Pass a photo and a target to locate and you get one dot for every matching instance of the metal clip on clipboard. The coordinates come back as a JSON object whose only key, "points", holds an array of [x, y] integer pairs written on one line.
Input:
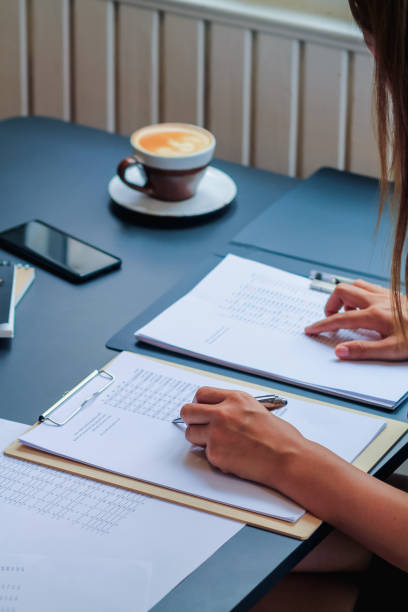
{"points": [[103, 373]]}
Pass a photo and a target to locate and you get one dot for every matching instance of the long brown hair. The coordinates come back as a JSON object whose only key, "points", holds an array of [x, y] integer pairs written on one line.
{"points": [[384, 23]]}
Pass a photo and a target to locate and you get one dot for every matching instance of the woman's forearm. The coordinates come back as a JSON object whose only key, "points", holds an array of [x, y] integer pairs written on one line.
{"points": [[368, 510], [240, 437]]}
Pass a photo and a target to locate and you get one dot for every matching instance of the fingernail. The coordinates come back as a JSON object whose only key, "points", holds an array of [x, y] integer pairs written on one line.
{"points": [[342, 352]]}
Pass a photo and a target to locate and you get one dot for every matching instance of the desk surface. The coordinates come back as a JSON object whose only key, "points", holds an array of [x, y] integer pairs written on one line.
{"points": [[58, 172]]}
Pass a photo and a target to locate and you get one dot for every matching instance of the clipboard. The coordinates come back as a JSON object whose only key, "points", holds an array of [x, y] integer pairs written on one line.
{"points": [[301, 529]]}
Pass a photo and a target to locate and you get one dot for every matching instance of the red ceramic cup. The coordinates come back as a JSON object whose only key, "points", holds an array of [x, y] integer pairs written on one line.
{"points": [[171, 158]]}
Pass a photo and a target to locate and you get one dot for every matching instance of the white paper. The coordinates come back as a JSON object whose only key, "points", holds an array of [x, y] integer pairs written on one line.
{"points": [[113, 435], [252, 317], [53, 514], [48, 583]]}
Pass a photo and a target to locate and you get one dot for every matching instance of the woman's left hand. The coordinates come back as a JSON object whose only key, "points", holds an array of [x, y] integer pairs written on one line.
{"points": [[241, 437], [366, 306]]}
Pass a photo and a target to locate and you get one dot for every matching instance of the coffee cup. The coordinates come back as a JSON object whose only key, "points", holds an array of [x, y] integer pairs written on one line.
{"points": [[171, 158]]}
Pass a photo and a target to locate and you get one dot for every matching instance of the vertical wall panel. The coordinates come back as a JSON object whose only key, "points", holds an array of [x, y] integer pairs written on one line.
{"points": [[183, 64], [230, 90], [24, 72], [295, 83], [362, 150], [10, 85], [319, 123], [138, 72], [66, 59], [272, 103], [111, 59], [344, 110], [90, 62], [46, 58]]}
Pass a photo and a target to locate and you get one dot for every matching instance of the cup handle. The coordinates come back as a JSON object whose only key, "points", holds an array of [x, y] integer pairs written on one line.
{"points": [[121, 171]]}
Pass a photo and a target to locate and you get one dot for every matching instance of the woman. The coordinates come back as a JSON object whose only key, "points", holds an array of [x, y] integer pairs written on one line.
{"points": [[240, 437]]}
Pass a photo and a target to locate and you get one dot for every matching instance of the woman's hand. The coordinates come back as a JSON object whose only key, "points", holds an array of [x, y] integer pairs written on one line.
{"points": [[241, 437], [366, 306]]}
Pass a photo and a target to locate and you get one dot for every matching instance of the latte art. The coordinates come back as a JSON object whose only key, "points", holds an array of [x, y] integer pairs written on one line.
{"points": [[173, 143], [172, 158]]}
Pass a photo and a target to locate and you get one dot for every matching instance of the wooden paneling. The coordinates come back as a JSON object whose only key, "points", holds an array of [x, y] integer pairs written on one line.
{"points": [[344, 110], [183, 64], [362, 152], [320, 108], [10, 73], [47, 58], [278, 103], [90, 100], [229, 95], [138, 71], [272, 103]]}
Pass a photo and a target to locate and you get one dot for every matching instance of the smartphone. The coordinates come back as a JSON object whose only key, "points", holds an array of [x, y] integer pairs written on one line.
{"points": [[57, 251]]}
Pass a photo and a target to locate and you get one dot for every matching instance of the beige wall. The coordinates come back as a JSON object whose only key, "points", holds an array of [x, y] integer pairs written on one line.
{"points": [[283, 99]]}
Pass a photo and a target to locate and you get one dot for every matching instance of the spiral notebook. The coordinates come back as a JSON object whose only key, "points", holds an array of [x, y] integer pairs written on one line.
{"points": [[7, 283]]}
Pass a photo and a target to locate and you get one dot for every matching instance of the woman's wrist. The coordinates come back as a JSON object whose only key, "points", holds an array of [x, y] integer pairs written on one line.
{"points": [[307, 474], [293, 460]]}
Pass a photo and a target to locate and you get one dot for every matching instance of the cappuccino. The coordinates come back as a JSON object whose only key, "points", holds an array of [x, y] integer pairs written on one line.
{"points": [[172, 140], [171, 157]]}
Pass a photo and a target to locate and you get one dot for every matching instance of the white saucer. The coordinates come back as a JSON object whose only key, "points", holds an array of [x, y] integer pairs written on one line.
{"points": [[215, 191]]}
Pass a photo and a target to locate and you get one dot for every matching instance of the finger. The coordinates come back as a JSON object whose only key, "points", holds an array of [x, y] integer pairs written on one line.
{"points": [[200, 414], [197, 434], [387, 348], [353, 319], [371, 287], [346, 295], [210, 395]]}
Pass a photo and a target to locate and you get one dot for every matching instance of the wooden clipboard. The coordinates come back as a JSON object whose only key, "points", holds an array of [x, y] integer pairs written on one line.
{"points": [[301, 529]]}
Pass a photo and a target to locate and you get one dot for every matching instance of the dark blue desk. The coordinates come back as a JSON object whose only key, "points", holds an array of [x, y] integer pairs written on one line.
{"points": [[59, 172]]}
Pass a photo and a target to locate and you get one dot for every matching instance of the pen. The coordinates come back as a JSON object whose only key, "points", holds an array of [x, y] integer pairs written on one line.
{"points": [[270, 402], [326, 277], [323, 281]]}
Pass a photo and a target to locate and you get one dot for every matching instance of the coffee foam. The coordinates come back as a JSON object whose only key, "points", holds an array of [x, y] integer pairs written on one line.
{"points": [[172, 140]]}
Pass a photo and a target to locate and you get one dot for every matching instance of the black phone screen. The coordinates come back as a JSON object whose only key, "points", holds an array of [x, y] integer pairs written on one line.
{"points": [[62, 252]]}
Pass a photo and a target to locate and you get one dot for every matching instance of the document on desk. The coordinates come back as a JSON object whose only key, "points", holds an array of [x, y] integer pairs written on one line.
{"points": [[59, 516], [128, 430], [251, 317], [49, 583]]}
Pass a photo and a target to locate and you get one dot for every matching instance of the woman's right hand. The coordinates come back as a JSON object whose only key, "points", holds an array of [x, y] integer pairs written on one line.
{"points": [[366, 306]]}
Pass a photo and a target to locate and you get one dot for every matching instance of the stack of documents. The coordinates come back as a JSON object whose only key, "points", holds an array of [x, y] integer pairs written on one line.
{"points": [[127, 429], [251, 317]]}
